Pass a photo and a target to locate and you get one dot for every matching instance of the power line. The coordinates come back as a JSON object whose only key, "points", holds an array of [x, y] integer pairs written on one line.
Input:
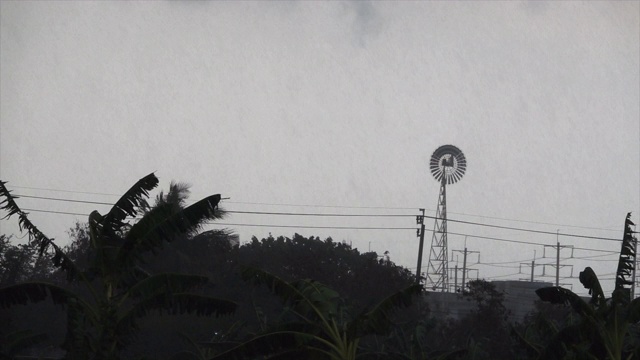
{"points": [[518, 241], [349, 228], [337, 206], [318, 214], [55, 212], [591, 256], [67, 200], [598, 259], [595, 256], [363, 215], [527, 230], [315, 227], [532, 222], [233, 211], [500, 266], [501, 276], [508, 262], [66, 191], [322, 206]]}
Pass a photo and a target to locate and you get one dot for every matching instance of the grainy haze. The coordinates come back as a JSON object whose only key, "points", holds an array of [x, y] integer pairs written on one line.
{"points": [[335, 103]]}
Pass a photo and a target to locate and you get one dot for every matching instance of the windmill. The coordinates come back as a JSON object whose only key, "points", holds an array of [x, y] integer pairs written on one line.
{"points": [[447, 165]]}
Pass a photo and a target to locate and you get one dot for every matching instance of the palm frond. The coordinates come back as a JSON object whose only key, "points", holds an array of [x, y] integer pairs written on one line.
{"points": [[318, 297], [165, 283], [307, 300], [626, 263], [36, 237], [163, 224], [633, 311], [8, 203], [531, 347], [178, 194], [559, 295], [285, 290], [129, 203], [64, 262], [272, 345], [581, 338], [378, 319], [182, 303], [20, 340], [79, 312], [32, 292], [590, 281]]}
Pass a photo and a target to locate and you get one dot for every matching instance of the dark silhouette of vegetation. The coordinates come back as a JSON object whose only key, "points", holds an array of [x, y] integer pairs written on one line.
{"points": [[20, 263], [359, 278], [127, 277], [607, 328], [483, 333], [120, 290], [323, 327]]}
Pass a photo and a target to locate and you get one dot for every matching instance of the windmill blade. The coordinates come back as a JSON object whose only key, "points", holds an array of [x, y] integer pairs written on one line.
{"points": [[448, 161]]}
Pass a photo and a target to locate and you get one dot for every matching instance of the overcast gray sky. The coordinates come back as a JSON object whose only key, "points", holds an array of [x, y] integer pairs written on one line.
{"points": [[336, 104]]}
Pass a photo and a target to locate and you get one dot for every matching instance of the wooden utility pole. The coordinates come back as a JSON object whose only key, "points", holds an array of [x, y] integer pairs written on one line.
{"points": [[420, 221]]}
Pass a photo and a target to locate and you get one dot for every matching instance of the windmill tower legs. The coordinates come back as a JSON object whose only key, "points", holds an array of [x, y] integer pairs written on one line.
{"points": [[437, 270], [447, 165]]}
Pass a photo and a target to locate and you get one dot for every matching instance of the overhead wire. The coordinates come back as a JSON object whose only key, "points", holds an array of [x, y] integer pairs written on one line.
{"points": [[55, 212], [314, 227], [515, 241], [509, 262], [65, 191], [66, 200], [339, 206], [500, 266], [501, 276], [609, 253], [347, 228], [365, 215]]}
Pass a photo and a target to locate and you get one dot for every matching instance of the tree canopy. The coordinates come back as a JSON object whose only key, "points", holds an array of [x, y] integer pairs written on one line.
{"points": [[120, 291]]}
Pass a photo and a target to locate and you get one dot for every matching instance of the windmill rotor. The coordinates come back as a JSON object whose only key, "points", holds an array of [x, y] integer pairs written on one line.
{"points": [[449, 162]]}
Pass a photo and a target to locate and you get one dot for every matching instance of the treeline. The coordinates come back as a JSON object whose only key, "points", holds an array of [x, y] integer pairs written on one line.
{"points": [[142, 282]]}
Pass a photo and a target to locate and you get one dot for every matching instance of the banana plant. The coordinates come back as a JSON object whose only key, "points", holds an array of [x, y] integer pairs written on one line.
{"points": [[323, 328], [100, 325], [604, 323]]}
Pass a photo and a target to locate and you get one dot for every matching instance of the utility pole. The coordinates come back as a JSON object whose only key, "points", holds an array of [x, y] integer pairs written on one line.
{"points": [[464, 266], [464, 261], [558, 262], [455, 277], [557, 247], [420, 221], [533, 266]]}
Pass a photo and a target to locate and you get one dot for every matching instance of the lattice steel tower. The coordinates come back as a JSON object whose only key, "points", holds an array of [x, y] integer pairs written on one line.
{"points": [[447, 165]]}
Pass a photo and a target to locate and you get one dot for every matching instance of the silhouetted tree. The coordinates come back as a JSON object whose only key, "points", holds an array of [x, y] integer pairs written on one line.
{"points": [[121, 291], [21, 262], [322, 325], [607, 328], [484, 333], [360, 278]]}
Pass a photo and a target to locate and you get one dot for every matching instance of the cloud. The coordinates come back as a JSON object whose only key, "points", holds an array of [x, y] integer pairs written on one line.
{"points": [[367, 22]]}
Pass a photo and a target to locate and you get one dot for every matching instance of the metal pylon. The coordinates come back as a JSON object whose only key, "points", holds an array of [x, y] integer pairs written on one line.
{"points": [[437, 270]]}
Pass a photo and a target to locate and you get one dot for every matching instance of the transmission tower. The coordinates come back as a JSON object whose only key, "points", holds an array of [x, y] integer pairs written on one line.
{"points": [[447, 165]]}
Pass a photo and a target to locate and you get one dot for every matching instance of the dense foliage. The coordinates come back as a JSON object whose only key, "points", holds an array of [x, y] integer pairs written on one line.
{"points": [[102, 319], [134, 283]]}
